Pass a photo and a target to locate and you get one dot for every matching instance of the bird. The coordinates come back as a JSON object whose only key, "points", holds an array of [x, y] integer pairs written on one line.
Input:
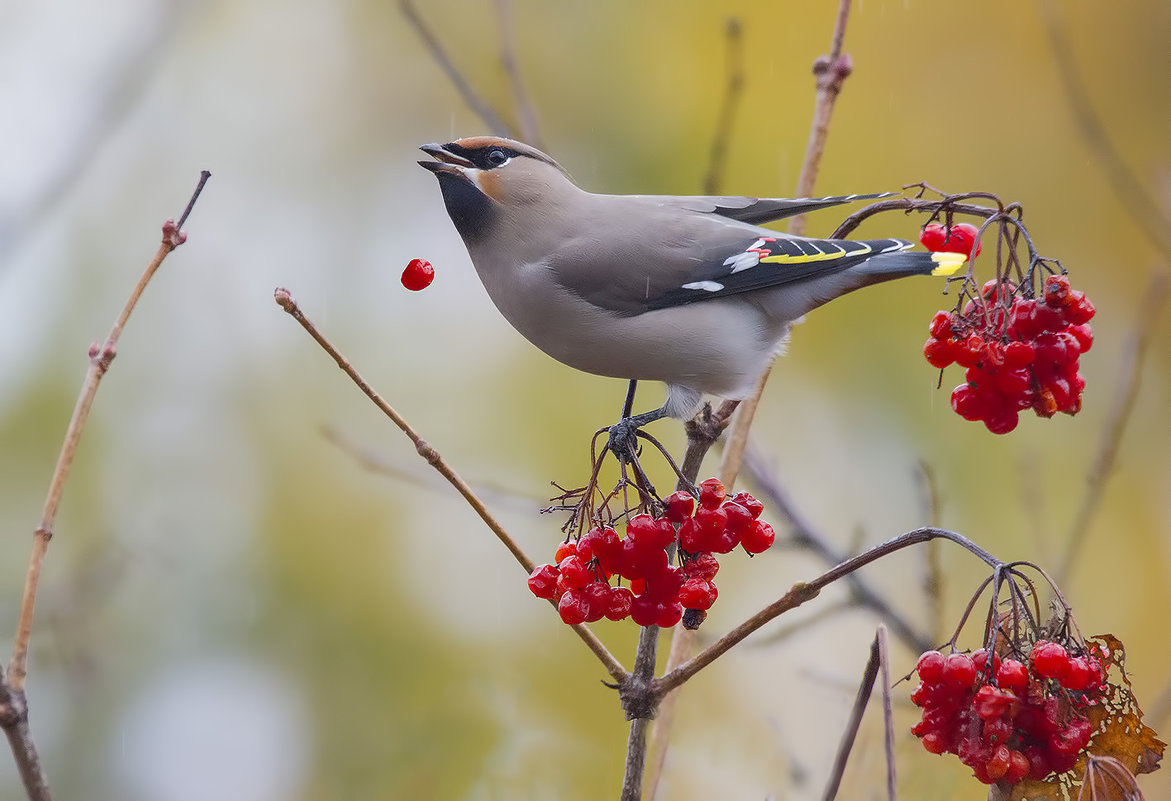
{"points": [[686, 290]]}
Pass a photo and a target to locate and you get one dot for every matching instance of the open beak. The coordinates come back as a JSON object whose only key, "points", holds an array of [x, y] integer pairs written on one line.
{"points": [[445, 160]]}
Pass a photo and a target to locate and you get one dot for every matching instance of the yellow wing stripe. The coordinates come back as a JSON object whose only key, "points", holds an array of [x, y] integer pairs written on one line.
{"points": [[948, 263], [802, 258]]}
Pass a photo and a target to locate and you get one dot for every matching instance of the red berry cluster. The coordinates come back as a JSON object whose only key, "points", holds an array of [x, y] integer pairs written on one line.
{"points": [[1008, 720], [659, 592], [1019, 352]]}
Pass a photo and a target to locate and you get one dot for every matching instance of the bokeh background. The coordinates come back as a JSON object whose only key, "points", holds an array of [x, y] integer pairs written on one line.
{"points": [[237, 604]]}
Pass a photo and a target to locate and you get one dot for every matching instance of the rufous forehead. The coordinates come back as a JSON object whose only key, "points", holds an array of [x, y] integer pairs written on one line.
{"points": [[477, 142]]}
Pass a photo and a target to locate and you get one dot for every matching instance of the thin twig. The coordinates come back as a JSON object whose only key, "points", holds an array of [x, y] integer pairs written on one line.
{"points": [[869, 675], [933, 581], [285, 300], [806, 591], [702, 432], [529, 130], [476, 103], [1132, 359], [806, 535], [888, 723], [831, 72], [733, 90], [13, 702]]}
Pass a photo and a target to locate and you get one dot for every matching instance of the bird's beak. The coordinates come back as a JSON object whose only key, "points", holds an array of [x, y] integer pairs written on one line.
{"points": [[445, 160]]}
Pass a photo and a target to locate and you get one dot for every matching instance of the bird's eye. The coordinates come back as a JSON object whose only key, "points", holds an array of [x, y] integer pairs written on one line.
{"points": [[497, 157]]}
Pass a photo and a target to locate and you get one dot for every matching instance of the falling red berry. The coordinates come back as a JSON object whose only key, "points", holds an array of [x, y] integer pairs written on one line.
{"points": [[418, 275]]}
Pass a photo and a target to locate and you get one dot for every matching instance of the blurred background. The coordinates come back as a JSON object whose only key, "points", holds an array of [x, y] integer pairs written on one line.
{"points": [[257, 591]]}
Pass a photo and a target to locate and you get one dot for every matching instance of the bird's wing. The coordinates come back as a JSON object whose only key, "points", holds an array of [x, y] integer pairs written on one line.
{"points": [[646, 262], [756, 210]]}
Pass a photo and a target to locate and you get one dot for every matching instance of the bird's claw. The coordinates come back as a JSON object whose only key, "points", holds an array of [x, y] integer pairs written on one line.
{"points": [[623, 441]]}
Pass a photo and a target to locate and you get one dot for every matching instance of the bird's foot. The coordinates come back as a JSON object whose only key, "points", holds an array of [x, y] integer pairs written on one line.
{"points": [[623, 441]]}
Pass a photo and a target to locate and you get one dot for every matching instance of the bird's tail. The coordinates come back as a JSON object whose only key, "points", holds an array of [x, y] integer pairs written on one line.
{"points": [[893, 263]]}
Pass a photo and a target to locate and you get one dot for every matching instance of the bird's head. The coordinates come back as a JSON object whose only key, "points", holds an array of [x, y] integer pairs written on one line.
{"points": [[483, 177]]}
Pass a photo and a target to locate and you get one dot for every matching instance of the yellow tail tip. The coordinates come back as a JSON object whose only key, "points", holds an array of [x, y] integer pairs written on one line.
{"points": [[948, 263]]}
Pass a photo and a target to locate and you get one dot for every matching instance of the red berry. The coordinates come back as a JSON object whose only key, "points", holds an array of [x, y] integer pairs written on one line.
{"points": [[543, 581], [572, 607], [680, 505], [565, 549], [1002, 420], [938, 352], [597, 598], [997, 766], [712, 522], [418, 275], [750, 503], [669, 615], [1056, 290], [704, 565], [575, 572], [644, 610], [759, 537], [1084, 336], [1080, 310], [711, 493], [959, 670], [697, 593], [1012, 675], [1049, 659], [958, 239], [618, 603], [691, 538], [940, 326], [739, 518], [930, 666], [1018, 767], [1018, 354], [967, 403], [1078, 675]]}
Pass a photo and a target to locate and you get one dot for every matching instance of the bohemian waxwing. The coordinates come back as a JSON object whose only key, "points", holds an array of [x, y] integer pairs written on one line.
{"points": [[685, 290]]}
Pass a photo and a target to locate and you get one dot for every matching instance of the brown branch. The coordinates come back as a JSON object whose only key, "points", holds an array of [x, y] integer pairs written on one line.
{"points": [[861, 700], [476, 103], [1132, 358], [529, 129], [13, 703], [831, 72], [639, 698], [807, 536], [733, 90], [806, 591], [432, 457]]}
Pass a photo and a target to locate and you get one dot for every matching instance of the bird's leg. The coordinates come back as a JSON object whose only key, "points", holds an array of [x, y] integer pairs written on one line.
{"points": [[623, 440]]}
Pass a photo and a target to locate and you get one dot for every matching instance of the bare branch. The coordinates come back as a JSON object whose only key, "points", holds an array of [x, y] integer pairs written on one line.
{"points": [[529, 130], [806, 591], [432, 457], [477, 104]]}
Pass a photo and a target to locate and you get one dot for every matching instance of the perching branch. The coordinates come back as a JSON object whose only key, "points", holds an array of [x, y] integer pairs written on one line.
{"points": [[432, 457], [13, 704]]}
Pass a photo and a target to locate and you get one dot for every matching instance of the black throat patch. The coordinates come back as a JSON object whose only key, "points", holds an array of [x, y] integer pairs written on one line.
{"points": [[470, 209]]}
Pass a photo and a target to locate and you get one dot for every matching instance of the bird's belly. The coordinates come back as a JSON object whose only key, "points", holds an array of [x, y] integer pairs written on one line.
{"points": [[710, 346]]}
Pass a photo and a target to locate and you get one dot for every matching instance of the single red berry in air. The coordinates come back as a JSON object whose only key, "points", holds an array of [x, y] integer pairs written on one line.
{"points": [[418, 275]]}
